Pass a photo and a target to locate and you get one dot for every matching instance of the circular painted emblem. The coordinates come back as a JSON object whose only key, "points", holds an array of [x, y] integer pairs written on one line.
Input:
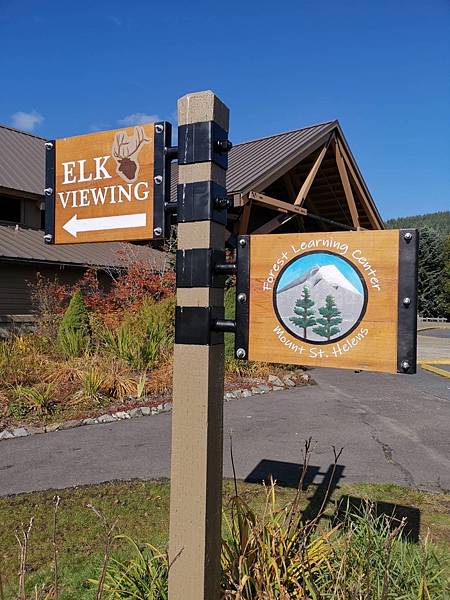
{"points": [[320, 297]]}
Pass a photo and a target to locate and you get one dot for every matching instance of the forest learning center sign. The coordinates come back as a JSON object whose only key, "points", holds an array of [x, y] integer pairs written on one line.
{"points": [[102, 186], [334, 299]]}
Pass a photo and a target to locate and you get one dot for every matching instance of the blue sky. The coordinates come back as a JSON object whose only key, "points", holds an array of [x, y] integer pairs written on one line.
{"points": [[305, 263], [380, 67]]}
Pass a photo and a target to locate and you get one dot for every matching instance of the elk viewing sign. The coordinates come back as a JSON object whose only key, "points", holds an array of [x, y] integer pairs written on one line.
{"points": [[107, 186], [340, 299]]}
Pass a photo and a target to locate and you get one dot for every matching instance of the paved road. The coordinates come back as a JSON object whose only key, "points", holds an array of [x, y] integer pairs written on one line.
{"points": [[433, 344], [393, 428]]}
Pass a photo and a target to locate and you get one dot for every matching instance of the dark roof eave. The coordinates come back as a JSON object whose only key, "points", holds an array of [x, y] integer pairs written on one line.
{"points": [[54, 263]]}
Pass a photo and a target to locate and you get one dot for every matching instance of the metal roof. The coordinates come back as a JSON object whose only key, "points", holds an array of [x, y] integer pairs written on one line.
{"points": [[22, 161], [20, 244], [248, 162]]}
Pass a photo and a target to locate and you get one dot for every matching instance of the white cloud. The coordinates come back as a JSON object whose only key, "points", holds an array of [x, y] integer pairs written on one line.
{"points": [[26, 121], [137, 119]]}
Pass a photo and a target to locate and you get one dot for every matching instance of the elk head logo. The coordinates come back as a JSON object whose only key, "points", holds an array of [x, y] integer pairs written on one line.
{"points": [[124, 148]]}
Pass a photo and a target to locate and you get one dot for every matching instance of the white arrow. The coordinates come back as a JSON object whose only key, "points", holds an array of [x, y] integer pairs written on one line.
{"points": [[74, 225]]}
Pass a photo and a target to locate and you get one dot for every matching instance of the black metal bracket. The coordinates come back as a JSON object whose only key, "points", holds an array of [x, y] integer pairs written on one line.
{"points": [[242, 296], [407, 301], [171, 152], [225, 325], [203, 142], [161, 179], [197, 268], [195, 325], [201, 201], [49, 192]]}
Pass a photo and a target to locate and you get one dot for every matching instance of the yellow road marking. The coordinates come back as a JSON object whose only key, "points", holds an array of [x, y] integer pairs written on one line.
{"points": [[432, 361], [428, 366]]}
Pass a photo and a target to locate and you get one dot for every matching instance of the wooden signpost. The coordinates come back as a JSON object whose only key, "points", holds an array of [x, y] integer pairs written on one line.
{"points": [[107, 186], [337, 299], [329, 299]]}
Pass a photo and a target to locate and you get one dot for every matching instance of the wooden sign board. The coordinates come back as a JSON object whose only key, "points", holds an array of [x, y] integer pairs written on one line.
{"points": [[107, 186], [331, 299]]}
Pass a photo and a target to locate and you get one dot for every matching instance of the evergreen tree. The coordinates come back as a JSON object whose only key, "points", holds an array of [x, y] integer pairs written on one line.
{"points": [[430, 273], [330, 319], [446, 280], [304, 309], [73, 330]]}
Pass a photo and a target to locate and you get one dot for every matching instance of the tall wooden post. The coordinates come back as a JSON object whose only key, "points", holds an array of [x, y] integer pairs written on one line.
{"points": [[197, 419]]}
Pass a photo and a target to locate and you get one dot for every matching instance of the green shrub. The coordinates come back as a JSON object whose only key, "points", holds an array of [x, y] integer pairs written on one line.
{"points": [[371, 560], [143, 577], [143, 339], [73, 330], [37, 400]]}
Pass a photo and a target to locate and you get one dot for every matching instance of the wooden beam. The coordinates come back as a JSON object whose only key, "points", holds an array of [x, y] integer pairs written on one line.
{"points": [[276, 204], [244, 220], [310, 177], [346, 184], [373, 218], [274, 223]]}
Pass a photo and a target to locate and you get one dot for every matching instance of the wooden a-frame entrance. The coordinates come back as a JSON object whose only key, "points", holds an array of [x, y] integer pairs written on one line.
{"points": [[324, 182]]}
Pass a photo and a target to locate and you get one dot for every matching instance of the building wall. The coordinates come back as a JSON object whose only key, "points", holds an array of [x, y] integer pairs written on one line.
{"points": [[16, 279]]}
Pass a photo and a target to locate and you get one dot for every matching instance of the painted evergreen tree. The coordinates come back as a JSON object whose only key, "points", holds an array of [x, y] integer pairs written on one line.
{"points": [[304, 309], [330, 319]]}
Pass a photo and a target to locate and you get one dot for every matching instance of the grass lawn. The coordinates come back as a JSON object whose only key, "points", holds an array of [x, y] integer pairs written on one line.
{"points": [[142, 512]]}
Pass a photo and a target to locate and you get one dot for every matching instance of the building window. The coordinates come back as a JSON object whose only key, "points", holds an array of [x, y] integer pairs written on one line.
{"points": [[10, 209]]}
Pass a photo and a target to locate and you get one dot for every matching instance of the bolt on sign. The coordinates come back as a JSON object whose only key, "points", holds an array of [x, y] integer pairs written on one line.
{"points": [[331, 299], [107, 186]]}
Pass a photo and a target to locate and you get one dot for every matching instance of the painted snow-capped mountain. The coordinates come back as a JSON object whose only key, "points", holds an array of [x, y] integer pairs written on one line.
{"points": [[321, 281], [328, 273]]}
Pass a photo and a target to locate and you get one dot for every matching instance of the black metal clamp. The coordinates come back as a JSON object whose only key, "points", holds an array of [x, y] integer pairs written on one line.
{"points": [[203, 142]]}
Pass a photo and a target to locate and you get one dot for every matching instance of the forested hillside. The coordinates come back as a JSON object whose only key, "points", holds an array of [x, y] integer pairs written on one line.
{"points": [[434, 261], [439, 221]]}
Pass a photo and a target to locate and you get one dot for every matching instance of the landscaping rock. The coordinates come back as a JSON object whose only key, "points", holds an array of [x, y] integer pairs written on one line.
{"points": [[246, 393], [135, 412], [274, 380], [33, 430], [146, 410], [71, 424], [89, 421], [277, 388], [256, 391], [19, 432], [121, 415], [106, 419], [288, 381], [6, 435], [264, 388], [52, 427], [228, 396], [305, 378]]}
